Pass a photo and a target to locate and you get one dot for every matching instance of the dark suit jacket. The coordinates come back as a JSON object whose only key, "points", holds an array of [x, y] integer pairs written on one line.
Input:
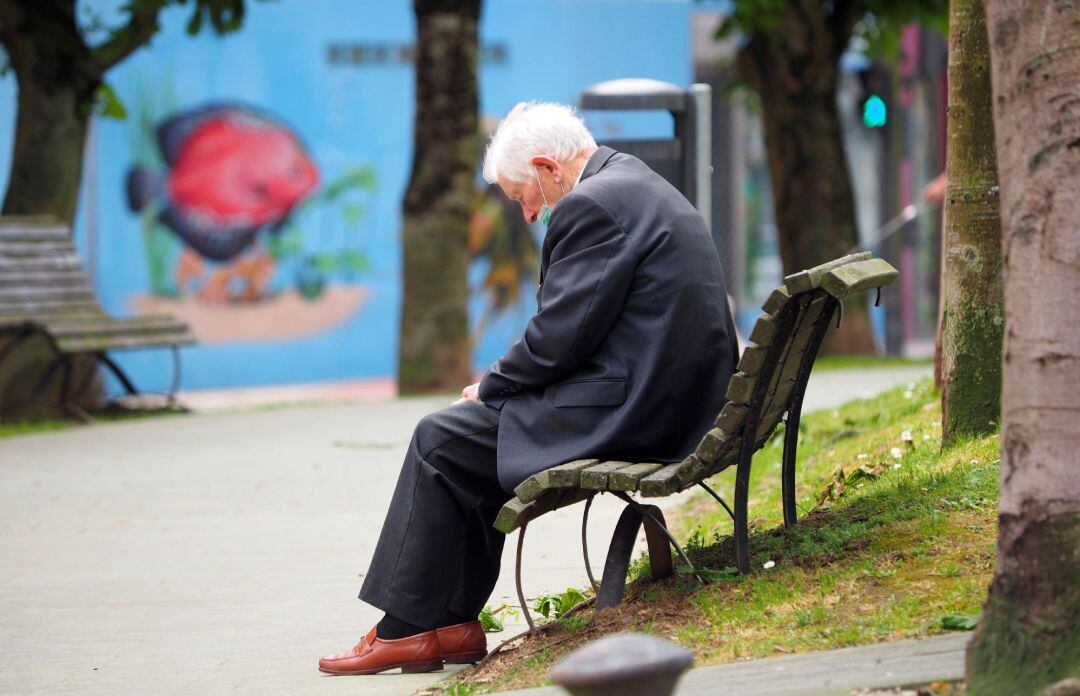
{"points": [[631, 349]]}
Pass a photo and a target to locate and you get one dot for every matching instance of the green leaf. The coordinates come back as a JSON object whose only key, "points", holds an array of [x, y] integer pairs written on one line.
{"points": [[959, 622], [108, 104], [489, 622]]}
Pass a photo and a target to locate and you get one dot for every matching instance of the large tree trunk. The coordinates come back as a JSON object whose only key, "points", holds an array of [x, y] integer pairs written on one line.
{"points": [[1028, 634], [57, 77], [434, 353], [47, 158], [794, 69], [972, 314]]}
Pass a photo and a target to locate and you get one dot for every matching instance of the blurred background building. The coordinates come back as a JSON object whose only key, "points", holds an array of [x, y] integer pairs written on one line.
{"points": [[328, 87]]}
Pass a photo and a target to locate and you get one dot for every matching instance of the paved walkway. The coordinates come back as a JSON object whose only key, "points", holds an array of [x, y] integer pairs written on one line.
{"points": [[223, 552], [878, 666]]}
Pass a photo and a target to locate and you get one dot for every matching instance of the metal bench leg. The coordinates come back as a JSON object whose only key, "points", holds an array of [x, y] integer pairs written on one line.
{"points": [[618, 558], [791, 428], [20, 338], [653, 514], [68, 405], [175, 386], [115, 369], [517, 578], [718, 498], [742, 490], [585, 545]]}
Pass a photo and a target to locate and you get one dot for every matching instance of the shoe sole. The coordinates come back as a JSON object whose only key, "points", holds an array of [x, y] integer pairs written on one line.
{"points": [[464, 658], [406, 668]]}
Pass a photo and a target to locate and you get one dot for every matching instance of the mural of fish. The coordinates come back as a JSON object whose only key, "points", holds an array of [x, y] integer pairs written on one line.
{"points": [[232, 170]]}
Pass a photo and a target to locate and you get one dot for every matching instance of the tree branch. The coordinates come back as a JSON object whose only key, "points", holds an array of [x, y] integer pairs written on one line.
{"points": [[141, 26]]}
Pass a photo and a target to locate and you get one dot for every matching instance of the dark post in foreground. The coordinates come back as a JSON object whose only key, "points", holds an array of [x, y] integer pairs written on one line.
{"points": [[1027, 636], [434, 351], [973, 315]]}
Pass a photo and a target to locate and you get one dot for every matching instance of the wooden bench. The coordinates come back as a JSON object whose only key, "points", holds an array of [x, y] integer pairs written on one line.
{"points": [[766, 390], [44, 290]]}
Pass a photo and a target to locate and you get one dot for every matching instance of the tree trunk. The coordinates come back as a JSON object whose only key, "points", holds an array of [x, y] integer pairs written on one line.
{"points": [[972, 315], [794, 69], [434, 353], [1027, 635], [50, 132], [58, 76]]}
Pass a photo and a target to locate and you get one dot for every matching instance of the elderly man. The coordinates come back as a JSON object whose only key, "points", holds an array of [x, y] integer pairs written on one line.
{"points": [[627, 357]]}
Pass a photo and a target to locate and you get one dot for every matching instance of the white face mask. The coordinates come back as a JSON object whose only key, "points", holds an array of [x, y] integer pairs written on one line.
{"points": [[545, 210]]}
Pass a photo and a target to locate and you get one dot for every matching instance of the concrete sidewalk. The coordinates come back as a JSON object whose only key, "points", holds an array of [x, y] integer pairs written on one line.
{"points": [[825, 673], [223, 552]]}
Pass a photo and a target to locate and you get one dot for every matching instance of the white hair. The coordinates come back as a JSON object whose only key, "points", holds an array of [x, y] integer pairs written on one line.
{"points": [[531, 129]]}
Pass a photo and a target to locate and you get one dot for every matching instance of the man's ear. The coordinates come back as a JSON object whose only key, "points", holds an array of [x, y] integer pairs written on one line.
{"points": [[544, 162]]}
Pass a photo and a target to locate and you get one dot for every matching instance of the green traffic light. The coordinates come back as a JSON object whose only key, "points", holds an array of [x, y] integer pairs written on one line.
{"points": [[873, 113]]}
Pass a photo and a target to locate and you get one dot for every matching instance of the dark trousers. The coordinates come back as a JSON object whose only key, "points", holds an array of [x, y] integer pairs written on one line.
{"points": [[438, 551]]}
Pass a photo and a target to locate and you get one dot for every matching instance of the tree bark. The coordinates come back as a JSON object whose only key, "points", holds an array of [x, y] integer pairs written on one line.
{"points": [[794, 68], [973, 312], [57, 76], [434, 353], [1027, 635]]}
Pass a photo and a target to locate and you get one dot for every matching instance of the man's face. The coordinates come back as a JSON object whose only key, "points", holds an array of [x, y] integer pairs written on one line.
{"points": [[529, 194]]}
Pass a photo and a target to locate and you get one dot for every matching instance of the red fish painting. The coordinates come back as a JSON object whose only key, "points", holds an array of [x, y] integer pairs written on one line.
{"points": [[232, 171]]}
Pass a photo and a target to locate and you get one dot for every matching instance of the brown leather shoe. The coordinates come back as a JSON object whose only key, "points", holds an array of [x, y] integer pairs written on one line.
{"points": [[462, 643], [419, 653]]}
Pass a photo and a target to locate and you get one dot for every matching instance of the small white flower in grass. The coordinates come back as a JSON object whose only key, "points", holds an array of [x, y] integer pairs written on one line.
{"points": [[835, 414], [863, 456], [897, 465], [926, 437], [769, 564], [896, 452], [974, 461], [936, 424], [906, 436], [908, 394]]}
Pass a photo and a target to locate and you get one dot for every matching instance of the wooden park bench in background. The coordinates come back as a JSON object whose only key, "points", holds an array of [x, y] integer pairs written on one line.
{"points": [[45, 290], [766, 390]]}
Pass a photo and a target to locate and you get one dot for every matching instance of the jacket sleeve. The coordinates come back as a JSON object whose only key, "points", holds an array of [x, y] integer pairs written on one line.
{"points": [[581, 296]]}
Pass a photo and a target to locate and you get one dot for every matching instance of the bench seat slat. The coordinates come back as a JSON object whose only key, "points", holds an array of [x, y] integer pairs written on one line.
{"points": [[515, 513], [627, 479], [562, 476], [663, 482], [596, 477], [108, 326], [32, 279], [124, 342]]}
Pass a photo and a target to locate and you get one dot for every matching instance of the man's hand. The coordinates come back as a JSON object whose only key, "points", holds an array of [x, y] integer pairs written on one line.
{"points": [[469, 393]]}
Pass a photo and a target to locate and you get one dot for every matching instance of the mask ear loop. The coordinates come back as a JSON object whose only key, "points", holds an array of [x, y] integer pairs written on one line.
{"points": [[541, 186]]}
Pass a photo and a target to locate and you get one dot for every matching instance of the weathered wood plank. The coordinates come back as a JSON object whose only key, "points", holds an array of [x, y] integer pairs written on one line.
{"points": [[19, 249], [31, 294], [663, 482], [711, 445], [855, 277], [809, 279], [691, 470], [516, 512], [764, 330], [731, 418], [741, 388], [779, 299], [596, 477], [627, 479], [752, 359], [64, 276], [108, 326], [569, 475], [97, 345]]}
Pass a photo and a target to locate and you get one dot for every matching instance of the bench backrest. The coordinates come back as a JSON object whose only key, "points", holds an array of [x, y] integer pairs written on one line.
{"points": [[774, 367], [41, 274]]}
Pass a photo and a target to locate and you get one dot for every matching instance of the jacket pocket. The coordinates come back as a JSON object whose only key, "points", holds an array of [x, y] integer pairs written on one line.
{"points": [[593, 392]]}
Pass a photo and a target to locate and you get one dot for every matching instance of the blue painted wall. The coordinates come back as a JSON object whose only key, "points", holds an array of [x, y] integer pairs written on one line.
{"points": [[347, 116]]}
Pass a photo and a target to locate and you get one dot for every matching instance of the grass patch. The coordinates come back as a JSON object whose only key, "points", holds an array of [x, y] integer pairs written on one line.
{"points": [[851, 362], [894, 535], [108, 415]]}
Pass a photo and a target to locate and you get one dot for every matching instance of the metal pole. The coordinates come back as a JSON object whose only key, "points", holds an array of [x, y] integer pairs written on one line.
{"points": [[701, 157]]}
